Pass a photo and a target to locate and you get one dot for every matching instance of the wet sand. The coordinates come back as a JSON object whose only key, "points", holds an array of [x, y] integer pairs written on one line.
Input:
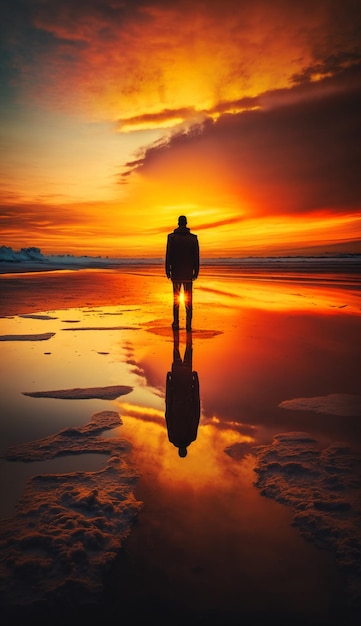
{"points": [[207, 546]]}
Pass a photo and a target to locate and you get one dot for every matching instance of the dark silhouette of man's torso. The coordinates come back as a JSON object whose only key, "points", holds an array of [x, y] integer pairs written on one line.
{"points": [[182, 256]]}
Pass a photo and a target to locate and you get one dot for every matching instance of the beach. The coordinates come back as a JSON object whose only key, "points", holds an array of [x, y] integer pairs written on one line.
{"points": [[101, 517]]}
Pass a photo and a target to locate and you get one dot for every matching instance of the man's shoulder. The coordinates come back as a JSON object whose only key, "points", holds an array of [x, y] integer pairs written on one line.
{"points": [[176, 235]]}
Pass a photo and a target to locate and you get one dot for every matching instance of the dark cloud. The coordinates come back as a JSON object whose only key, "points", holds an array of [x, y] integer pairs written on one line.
{"points": [[330, 66], [217, 223], [190, 114], [300, 152], [209, 224], [36, 216], [165, 115]]}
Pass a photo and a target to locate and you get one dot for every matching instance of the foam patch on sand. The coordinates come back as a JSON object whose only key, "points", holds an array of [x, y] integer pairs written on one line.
{"points": [[102, 328], [344, 404], [33, 337], [102, 393], [68, 440], [68, 527], [322, 487], [36, 316]]}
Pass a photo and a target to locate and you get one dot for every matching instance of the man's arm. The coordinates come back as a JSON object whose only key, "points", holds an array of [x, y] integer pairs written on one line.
{"points": [[168, 258], [196, 259]]}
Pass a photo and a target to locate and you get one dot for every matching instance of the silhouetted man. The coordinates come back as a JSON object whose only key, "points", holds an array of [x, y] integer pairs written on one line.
{"points": [[182, 400], [182, 267]]}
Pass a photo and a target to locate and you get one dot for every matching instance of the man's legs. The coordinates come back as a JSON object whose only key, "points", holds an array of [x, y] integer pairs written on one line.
{"points": [[176, 293], [188, 301]]}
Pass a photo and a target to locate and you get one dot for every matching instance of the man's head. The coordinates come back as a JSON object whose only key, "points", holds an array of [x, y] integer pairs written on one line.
{"points": [[182, 220], [182, 451]]}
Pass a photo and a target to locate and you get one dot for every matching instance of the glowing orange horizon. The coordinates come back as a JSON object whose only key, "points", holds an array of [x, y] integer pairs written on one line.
{"points": [[233, 236]]}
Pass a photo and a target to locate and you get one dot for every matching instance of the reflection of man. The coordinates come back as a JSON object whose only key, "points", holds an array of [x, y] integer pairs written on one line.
{"points": [[182, 400], [182, 267]]}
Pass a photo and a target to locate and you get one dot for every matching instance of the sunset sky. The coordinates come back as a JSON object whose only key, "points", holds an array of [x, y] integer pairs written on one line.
{"points": [[120, 115]]}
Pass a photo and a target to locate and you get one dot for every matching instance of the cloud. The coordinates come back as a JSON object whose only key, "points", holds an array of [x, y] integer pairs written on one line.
{"points": [[330, 66], [58, 225], [177, 117], [298, 152], [131, 59], [164, 118], [209, 224], [39, 222]]}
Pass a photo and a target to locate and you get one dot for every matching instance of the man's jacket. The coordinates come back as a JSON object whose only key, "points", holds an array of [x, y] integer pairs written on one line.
{"points": [[182, 255]]}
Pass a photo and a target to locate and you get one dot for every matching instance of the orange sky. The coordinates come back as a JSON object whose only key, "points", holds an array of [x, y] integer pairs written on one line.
{"points": [[120, 115]]}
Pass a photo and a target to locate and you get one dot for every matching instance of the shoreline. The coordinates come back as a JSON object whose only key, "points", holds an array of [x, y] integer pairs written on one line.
{"points": [[30, 267], [350, 264]]}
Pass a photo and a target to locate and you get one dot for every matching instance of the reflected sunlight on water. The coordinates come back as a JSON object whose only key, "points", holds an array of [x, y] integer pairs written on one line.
{"points": [[287, 295], [206, 463], [256, 343]]}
